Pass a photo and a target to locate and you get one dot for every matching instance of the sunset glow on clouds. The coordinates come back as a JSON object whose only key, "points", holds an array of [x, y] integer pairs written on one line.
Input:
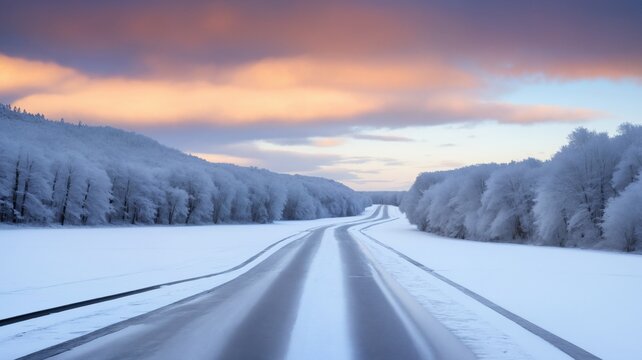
{"points": [[288, 91], [330, 78]]}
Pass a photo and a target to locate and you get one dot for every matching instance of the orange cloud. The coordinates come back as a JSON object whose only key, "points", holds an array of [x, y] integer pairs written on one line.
{"points": [[121, 101], [288, 90], [365, 75], [465, 108], [18, 74], [327, 142], [283, 90]]}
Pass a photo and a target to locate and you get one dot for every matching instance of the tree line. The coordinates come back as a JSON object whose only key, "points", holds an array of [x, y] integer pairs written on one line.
{"points": [[385, 197], [60, 173], [589, 195]]}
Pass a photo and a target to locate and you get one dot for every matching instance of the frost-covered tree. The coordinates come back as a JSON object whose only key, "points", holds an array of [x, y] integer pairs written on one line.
{"points": [[35, 192], [623, 220], [586, 195], [96, 196], [299, 205], [450, 201], [7, 180], [410, 201], [199, 189], [506, 212], [223, 199], [24, 190], [69, 189], [629, 143], [575, 188], [438, 213], [56, 172], [174, 209], [385, 197]]}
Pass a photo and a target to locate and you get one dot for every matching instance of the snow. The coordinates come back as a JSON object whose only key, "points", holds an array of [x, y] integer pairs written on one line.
{"points": [[322, 311], [587, 297], [57, 173], [587, 195], [51, 267]]}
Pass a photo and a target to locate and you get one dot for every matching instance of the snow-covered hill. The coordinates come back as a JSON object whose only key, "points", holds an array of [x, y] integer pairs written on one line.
{"points": [[54, 172]]}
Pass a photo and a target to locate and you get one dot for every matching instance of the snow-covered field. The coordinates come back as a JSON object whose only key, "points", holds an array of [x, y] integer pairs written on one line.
{"points": [[50, 267], [590, 298]]}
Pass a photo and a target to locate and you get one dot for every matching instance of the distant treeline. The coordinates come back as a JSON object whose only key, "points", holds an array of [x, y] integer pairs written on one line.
{"points": [[588, 195], [385, 197], [59, 173]]}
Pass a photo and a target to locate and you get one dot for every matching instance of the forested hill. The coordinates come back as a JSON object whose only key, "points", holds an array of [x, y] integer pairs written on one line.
{"points": [[58, 173], [588, 195]]}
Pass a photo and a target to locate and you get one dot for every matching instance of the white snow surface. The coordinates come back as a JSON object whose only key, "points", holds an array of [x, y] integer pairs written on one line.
{"points": [[590, 298], [321, 330], [49, 267]]}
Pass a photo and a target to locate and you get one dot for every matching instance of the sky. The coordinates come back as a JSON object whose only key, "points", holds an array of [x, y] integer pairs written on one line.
{"points": [[369, 93]]}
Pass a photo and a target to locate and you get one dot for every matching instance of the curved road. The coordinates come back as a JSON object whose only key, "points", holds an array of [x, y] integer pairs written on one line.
{"points": [[320, 297]]}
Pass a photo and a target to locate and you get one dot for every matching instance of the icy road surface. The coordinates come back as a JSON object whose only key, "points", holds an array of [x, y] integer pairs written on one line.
{"points": [[349, 288], [319, 297]]}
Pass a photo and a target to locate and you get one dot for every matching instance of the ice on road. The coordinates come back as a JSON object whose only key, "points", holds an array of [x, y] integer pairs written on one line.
{"points": [[317, 297], [331, 292]]}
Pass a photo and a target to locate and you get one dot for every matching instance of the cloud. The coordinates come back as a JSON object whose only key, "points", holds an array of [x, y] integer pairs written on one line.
{"points": [[308, 141], [367, 159], [21, 74], [232, 100], [327, 142], [389, 138], [364, 74], [566, 39], [336, 167], [337, 174], [275, 160], [466, 109], [122, 101]]}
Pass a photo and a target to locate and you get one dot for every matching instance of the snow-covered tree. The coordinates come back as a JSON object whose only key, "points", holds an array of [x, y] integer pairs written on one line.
{"points": [[623, 220], [586, 195], [199, 188], [576, 186], [629, 143], [56, 172], [69, 189], [506, 212], [385, 197], [410, 201], [96, 196]]}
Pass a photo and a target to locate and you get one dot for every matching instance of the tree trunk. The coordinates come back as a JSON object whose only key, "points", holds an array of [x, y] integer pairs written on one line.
{"points": [[15, 192], [63, 214], [126, 202], [84, 215]]}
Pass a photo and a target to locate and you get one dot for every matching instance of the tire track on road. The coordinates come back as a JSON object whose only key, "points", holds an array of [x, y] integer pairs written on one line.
{"points": [[101, 299], [563, 345], [297, 254]]}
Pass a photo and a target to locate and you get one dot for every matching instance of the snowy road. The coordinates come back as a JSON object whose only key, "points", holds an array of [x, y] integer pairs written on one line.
{"points": [[342, 288], [322, 296]]}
